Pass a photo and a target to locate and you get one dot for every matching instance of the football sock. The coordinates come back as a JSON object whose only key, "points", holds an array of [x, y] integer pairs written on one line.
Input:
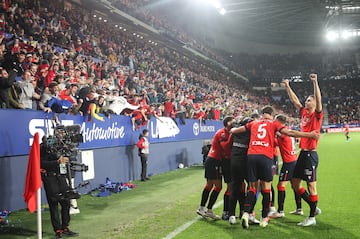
{"points": [[250, 200], [272, 196], [265, 202], [281, 198], [297, 200], [226, 200], [313, 204], [213, 197], [205, 196]]}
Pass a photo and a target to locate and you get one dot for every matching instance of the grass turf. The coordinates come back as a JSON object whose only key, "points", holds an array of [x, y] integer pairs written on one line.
{"points": [[158, 207]]}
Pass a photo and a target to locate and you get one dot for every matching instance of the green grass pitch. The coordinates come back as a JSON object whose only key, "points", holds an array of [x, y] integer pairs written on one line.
{"points": [[159, 207]]}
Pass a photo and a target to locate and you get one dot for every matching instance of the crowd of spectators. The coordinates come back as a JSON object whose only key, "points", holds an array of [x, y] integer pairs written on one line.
{"points": [[261, 68], [64, 60], [60, 57], [339, 67]]}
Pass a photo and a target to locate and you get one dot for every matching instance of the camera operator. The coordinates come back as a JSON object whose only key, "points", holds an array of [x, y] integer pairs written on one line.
{"points": [[54, 177]]}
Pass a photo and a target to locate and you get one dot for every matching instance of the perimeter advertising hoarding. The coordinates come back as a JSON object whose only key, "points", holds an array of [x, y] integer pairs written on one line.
{"points": [[19, 126]]}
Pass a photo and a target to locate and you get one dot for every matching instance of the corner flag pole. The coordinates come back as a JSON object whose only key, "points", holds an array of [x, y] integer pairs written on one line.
{"points": [[39, 222], [33, 183]]}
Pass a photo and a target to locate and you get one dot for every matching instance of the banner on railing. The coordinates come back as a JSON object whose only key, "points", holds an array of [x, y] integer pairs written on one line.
{"points": [[19, 126]]}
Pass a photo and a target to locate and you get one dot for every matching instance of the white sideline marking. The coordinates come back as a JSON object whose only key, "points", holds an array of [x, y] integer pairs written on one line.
{"points": [[187, 224]]}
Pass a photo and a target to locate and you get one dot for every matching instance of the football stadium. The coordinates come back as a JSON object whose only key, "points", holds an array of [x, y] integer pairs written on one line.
{"points": [[171, 119]]}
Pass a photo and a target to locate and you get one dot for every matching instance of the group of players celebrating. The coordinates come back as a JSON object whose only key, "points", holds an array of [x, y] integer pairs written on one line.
{"points": [[244, 156]]}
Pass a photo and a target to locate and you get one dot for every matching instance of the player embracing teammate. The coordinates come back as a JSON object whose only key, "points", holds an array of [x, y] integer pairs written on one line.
{"points": [[260, 158]]}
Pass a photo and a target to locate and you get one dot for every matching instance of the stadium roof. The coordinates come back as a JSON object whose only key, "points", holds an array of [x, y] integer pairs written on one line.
{"points": [[279, 22]]}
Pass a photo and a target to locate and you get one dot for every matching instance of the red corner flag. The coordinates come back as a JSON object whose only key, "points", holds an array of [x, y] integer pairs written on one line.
{"points": [[33, 177]]}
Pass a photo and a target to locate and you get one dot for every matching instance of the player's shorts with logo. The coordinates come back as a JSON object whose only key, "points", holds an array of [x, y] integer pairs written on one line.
{"points": [[287, 171], [306, 166]]}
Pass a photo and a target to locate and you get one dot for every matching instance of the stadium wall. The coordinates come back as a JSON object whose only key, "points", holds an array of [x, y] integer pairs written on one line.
{"points": [[107, 153]]}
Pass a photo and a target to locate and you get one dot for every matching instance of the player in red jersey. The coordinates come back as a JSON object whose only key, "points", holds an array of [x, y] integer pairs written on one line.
{"points": [[213, 169], [260, 160], [308, 160], [347, 132], [288, 154], [226, 174]]}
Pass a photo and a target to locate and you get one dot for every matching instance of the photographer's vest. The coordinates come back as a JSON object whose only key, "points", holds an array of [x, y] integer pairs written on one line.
{"points": [[146, 145]]}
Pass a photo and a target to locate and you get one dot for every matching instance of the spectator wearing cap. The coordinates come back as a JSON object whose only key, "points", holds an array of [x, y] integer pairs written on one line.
{"points": [[15, 62], [28, 61]]}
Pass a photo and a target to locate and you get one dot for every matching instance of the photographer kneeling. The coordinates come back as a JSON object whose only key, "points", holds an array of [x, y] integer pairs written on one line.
{"points": [[54, 177]]}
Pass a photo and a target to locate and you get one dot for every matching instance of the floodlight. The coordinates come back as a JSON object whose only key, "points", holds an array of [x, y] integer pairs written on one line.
{"points": [[222, 11], [332, 35], [345, 34]]}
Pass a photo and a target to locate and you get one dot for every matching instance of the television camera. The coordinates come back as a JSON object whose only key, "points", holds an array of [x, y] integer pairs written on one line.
{"points": [[65, 142]]}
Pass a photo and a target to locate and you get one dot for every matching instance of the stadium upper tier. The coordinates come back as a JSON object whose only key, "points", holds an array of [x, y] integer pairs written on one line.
{"points": [[66, 44]]}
